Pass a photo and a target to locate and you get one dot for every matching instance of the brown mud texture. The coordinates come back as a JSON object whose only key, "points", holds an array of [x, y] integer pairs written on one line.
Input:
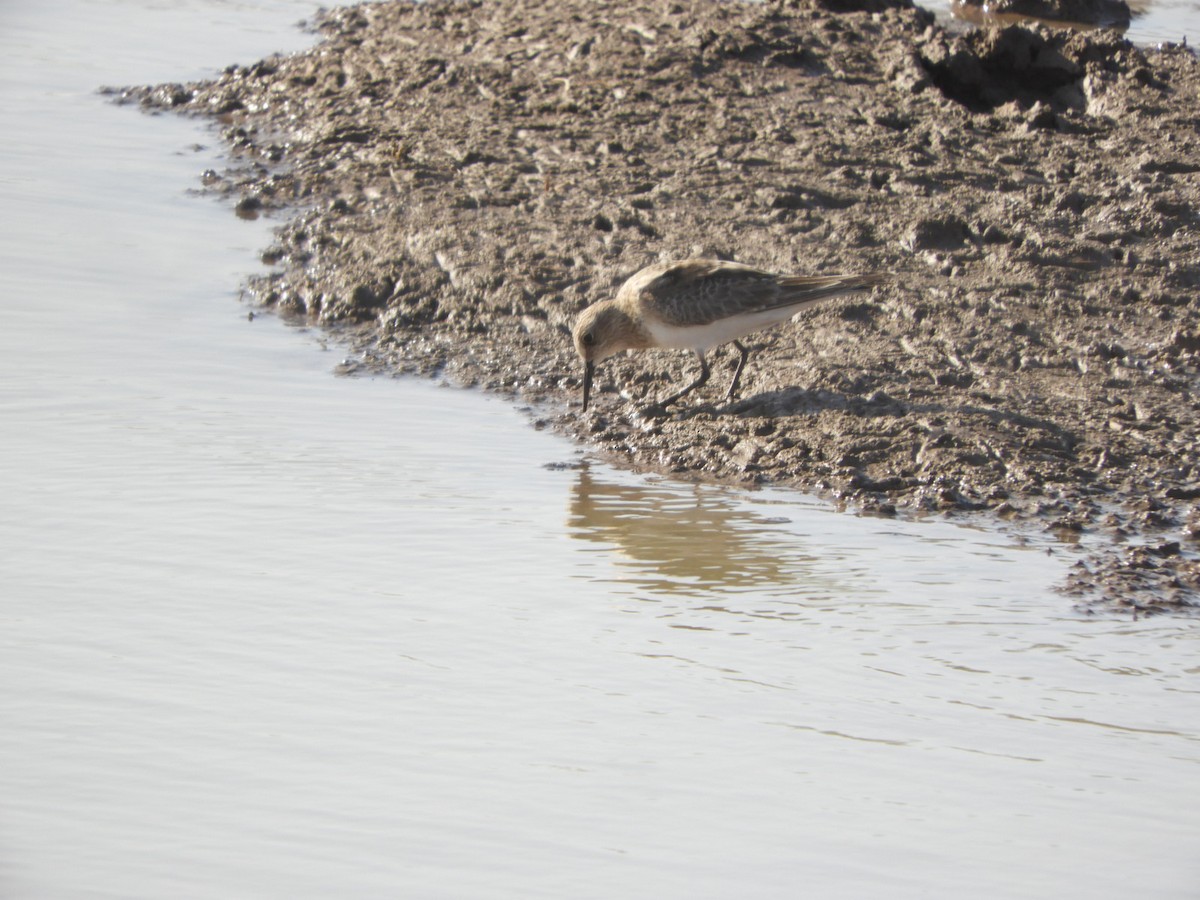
{"points": [[460, 179]]}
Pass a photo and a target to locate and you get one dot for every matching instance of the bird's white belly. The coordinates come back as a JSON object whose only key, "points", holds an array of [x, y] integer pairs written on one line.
{"points": [[722, 331]]}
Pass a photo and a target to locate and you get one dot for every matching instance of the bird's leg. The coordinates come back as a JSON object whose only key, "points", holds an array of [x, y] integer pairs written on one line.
{"points": [[700, 381], [737, 374]]}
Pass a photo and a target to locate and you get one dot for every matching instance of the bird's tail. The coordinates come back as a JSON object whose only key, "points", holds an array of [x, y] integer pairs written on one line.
{"points": [[802, 290]]}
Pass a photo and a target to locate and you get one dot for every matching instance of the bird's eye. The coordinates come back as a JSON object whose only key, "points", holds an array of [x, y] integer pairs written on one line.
{"points": [[589, 338]]}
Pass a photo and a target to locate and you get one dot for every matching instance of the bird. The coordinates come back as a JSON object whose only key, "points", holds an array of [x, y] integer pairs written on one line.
{"points": [[698, 304]]}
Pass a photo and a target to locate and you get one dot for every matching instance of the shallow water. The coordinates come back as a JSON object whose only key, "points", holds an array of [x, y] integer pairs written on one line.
{"points": [[1154, 22], [1161, 21], [271, 633]]}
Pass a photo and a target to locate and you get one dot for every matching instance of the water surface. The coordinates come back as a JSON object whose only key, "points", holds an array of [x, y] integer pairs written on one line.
{"points": [[1153, 23], [271, 633]]}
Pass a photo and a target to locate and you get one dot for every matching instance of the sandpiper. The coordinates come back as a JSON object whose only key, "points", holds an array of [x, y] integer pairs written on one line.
{"points": [[698, 304]]}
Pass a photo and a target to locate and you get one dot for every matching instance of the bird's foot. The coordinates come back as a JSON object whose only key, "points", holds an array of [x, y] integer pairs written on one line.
{"points": [[656, 411], [653, 411], [701, 409]]}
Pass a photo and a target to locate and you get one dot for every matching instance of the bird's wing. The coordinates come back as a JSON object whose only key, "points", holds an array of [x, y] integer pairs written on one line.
{"points": [[699, 292]]}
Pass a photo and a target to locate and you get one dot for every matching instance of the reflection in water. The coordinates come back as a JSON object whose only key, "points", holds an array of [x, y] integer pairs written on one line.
{"points": [[696, 542]]}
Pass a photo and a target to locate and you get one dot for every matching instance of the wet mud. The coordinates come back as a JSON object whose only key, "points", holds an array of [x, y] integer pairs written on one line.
{"points": [[455, 181]]}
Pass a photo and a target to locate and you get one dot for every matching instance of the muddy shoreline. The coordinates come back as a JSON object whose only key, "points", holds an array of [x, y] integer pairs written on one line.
{"points": [[455, 181]]}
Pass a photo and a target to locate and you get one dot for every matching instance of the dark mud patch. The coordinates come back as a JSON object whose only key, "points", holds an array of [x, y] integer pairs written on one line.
{"points": [[991, 67], [463, 178]]}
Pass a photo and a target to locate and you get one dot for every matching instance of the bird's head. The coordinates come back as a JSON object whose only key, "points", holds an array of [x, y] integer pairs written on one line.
{"points": [[602, 330]]}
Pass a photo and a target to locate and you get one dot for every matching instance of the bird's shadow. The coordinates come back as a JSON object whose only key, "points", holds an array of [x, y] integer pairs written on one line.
{"points": [[791, 402], [798, 401]]}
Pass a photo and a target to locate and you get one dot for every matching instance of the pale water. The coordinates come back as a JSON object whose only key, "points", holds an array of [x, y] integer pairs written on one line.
{"points": [[1154, 22], [1158, 21], [269, 633]]}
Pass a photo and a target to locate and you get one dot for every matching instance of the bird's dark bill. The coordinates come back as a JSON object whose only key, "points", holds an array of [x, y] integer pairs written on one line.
{"points": [[589, 369]]}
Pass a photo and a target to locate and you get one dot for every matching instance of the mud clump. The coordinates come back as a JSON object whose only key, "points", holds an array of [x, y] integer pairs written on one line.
{"points": [[991, 67], [462, 178]]}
